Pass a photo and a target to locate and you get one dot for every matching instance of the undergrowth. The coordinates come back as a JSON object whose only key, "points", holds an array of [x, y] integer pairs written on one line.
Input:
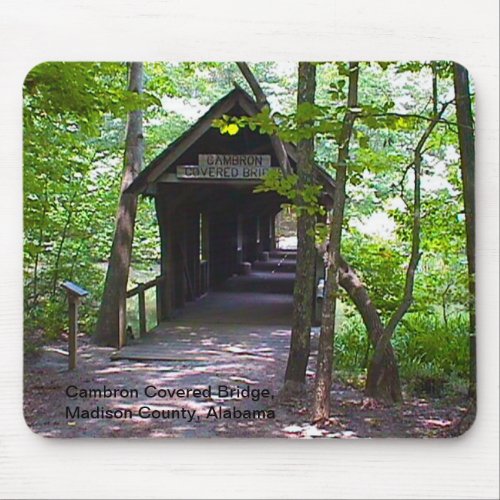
{"points": [[433, 355]]}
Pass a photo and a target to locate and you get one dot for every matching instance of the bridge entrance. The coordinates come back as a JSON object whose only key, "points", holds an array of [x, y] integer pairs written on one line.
{"points": [[218, 236]]}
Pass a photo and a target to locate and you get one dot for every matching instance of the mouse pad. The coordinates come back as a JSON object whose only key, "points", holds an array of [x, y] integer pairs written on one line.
{"points": [[261, 249]]}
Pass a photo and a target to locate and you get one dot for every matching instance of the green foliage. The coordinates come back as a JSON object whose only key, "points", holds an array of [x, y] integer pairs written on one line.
{"points": [[381, 265], [321, 233], [351, 345], [433, 353], [78, 95], [305, 122], [276, 181], [74, 127], [433, 356], [306, 199]]}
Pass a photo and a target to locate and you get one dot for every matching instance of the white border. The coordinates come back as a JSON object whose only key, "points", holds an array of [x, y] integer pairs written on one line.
{"points": [[34, 31]]}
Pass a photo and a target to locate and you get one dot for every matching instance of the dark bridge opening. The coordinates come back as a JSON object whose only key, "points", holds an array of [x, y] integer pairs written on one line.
{"points": [[219, 238]]}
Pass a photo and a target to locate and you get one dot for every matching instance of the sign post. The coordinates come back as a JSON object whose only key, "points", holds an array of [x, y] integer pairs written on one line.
{"points": [[74, 294]]}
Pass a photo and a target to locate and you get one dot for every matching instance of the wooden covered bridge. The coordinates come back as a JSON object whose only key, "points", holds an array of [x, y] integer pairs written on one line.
{"points": [[212, 224]]}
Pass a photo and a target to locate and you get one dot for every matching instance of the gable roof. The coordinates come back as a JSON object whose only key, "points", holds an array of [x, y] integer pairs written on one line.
{"points": [[237, 97]]}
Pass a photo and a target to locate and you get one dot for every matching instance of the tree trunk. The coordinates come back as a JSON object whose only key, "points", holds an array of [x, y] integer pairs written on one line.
{"points": [[323, 381], [386, 384], [110, 329], [382, 366], [467, 163], [298, 356]]}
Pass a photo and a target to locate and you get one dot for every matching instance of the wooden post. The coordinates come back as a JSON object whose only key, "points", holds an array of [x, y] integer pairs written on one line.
{"points": [[265, 236], [164, 225], [122, 319], [73, 330], [159, 311], [272, 232], [74, 294], [142, 309]]}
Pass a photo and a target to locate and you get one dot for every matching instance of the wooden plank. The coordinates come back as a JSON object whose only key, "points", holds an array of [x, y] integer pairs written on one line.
{"points": [[195, 253], [177, 238], [163, 225], [158, 356], [214, 174], [185, 268]]}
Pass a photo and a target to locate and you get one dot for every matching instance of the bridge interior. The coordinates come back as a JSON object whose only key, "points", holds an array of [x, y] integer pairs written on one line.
{"points": [[218, 239], [264, 296]]}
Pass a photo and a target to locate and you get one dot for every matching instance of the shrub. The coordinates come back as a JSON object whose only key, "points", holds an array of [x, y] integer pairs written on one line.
{"points": [[433, 356]]}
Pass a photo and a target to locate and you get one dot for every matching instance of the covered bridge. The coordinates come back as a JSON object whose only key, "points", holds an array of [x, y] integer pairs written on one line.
{"points": [[212, 224]]}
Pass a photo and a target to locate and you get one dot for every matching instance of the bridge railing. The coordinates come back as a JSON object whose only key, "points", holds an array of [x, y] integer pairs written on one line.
{"points": [[140, 291]]}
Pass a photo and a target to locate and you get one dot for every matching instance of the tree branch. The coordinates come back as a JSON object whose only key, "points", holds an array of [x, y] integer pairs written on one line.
{"points": [[254, 84], [262, 102], [415, 248], [416, 115]]}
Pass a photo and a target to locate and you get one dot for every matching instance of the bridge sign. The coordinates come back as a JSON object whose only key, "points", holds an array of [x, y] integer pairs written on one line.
{"points": [[229, 167]]}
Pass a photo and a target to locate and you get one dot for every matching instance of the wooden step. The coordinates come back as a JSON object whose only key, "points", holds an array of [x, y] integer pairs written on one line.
{"points": [[275, 265], [283, 254]]}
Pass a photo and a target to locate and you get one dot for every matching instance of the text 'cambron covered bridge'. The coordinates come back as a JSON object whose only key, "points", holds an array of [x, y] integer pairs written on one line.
{"points": [[210, 219]]}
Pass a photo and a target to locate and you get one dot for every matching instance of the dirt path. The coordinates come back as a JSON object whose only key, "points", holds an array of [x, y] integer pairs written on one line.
{"points": [[198, 357]]}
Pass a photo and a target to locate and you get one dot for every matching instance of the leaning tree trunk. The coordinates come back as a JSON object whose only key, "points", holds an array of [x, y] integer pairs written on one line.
{"points": [[298, 355], [110, 329], [467, 162], [323, 381], [387, 385]]}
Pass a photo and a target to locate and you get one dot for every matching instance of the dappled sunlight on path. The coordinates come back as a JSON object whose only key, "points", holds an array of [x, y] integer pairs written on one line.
{"points": [[237, 339]]}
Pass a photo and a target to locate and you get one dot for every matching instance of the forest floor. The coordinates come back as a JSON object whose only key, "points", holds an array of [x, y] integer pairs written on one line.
{"points": [[237, 336], [201, 356]]}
